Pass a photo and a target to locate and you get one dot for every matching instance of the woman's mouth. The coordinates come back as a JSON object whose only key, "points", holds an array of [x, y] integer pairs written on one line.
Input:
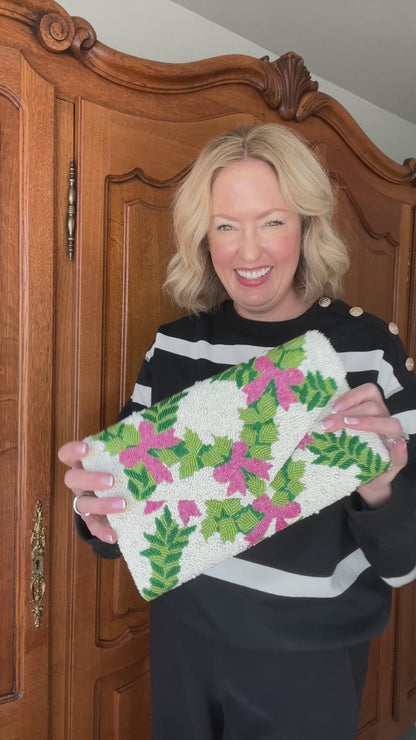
{"points": [[253, 274]]}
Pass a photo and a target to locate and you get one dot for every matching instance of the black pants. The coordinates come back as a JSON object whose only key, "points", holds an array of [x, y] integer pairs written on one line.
{"points": [[203, 691]]}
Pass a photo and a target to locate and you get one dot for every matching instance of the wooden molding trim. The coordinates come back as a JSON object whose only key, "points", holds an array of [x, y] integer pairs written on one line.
{"points": [[285, 84], [330, 110]]}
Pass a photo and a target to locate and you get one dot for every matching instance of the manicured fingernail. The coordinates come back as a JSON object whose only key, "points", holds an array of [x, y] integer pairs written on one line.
{"points": [[327, 424], [336, 407], [81, 448], [110, 539], [351, 420], [118, 504], [106, 479]]}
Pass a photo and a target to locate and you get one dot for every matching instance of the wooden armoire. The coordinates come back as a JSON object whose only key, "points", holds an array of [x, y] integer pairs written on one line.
{"points": [[92, 145]]}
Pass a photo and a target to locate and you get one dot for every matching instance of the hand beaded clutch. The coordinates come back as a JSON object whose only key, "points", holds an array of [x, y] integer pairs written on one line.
{"points": [[212, 470]]}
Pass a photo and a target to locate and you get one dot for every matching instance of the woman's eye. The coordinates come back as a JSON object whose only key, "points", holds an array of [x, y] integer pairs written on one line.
{"points": [[224, 227], [275, 222]]}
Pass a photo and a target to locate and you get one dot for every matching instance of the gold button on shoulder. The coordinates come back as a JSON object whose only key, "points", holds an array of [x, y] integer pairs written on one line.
{"points": [[393, 328], [356, 311], [410, 363], [325, 301]]}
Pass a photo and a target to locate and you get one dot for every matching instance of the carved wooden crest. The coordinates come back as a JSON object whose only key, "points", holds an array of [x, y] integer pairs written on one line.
{"points": [[285, 84]]}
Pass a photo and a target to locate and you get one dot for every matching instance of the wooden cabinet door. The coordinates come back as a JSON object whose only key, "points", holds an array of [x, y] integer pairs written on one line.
{"points": [[127, 170], [376, 221], [109, 305], [26, 331]]}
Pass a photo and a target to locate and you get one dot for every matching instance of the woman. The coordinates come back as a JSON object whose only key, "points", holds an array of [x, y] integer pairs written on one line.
{"points": [[275, 644]]}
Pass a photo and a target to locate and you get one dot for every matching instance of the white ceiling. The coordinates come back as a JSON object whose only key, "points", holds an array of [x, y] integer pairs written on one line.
{"points": [[365, 46]]}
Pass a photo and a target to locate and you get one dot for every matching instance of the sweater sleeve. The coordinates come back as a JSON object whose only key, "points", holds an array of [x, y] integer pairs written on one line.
{"points": [[140, 399], [387, 535]]}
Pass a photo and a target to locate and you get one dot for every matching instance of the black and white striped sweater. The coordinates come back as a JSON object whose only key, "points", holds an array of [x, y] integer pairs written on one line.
{"points": [[326, 581]]}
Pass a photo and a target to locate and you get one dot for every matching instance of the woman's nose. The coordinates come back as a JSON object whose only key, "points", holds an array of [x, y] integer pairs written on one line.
{"points": [[250, 247]]}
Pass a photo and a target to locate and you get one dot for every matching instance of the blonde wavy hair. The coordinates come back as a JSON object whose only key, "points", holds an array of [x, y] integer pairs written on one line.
{"points": [[191, 279]]}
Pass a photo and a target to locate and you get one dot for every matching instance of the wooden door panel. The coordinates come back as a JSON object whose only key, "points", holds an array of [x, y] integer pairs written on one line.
{"points": [[374, 272], [377, 695], [405, 684], [128, 168], [372, 706], [62, 520], [378, 231], [138, 245], [123, 704], [26, 285], [9, 390], [122, 612]]}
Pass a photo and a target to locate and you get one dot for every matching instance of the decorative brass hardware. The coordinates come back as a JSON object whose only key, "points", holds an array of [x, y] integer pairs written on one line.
{"points": [[37, 542], [72, 203]]}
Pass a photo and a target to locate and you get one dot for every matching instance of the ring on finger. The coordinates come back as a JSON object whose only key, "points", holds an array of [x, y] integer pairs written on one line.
{"points": [[75, 504], [404, 437]]}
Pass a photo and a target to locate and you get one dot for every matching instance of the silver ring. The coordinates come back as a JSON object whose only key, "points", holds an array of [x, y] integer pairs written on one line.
{"points": [[75, 501], [404, 437]]}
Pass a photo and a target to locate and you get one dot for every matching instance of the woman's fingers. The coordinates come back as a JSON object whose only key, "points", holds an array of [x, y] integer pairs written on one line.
{"points": [[363, 408], [80, 480], [100, 528], [87, 504], [368, 393], [92, 509], [398, 456], [385, 426], [71, 453]]}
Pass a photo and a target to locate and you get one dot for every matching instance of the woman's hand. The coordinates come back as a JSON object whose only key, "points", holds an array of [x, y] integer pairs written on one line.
{"points": [[363, 408], [93, 510]]}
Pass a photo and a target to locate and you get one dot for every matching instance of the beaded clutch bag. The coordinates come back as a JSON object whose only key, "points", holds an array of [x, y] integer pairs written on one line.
{"points": [[212, 470]]}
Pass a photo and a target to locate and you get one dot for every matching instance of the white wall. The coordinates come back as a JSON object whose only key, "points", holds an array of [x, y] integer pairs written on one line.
{"points": [[163, 31]]}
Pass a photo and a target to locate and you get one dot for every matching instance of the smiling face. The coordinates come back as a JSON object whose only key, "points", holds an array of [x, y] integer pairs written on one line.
{"points": [[254, 239]]}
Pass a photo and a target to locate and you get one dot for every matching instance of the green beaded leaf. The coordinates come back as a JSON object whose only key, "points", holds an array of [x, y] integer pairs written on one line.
{"points": [[141, 483], [228, 529], [209, 526], [231, 506], [288, 355], [170, 456], [260, 431], [193, 442], [214, 507], [288, 484], [263, 410], [241, 374], [249, 519], [249, 434], [256, 485], [192, 459], [118, 437], [163, 414], [229, 518], [219, 453], [189, 465], [268, 433], [344, 451], [315, 391], [167, 546], [260, 452]]}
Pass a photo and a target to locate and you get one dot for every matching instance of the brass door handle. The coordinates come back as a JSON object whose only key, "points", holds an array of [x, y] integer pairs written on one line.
{"points": [[71, 212], [38, 583]]}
